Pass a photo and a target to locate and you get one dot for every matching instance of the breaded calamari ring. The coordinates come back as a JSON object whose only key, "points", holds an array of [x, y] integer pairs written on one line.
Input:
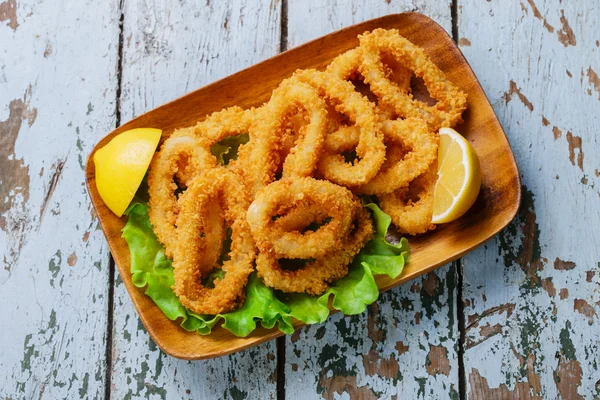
{"points": [[314, 277], [451, 101], [361, 113], [409, 143], [190, 264], [411, 207], [421, 147], [262, 160], [347, 66], [232, 121], [302, 158], [300, 218], [336, 201], [181, 151]]}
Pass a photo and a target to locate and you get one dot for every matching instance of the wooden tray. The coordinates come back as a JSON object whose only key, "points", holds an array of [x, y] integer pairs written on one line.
{"points": [[495, 208]]}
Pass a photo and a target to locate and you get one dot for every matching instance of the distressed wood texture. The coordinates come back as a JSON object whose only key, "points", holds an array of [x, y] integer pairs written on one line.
{"points": [[169, 49], [57, 99], [405, 345], [532, 294]]}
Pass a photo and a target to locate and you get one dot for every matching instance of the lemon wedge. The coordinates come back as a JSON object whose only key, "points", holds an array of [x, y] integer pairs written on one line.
{"points": [[459, 177], [122, 164]]}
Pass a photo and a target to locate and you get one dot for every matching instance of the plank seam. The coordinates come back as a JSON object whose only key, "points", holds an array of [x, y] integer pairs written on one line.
{"points": [[460, 316], [120, 65], [280, 343], [283, 36], [111, 264], [454, 18], [109, 329], [458, 264], [281, 367]]}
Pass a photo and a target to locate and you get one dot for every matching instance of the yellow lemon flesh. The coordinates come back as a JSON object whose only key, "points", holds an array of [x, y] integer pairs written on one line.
{"points": [[122, 164], [459, 177]]}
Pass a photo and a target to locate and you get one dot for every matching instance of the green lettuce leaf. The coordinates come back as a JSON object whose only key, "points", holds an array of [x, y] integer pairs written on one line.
{"points": [[354, 292], [227, 149], [150, 268]]}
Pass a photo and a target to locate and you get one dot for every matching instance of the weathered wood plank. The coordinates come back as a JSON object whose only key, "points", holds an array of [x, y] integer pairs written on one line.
{"points": [[532, 293], [406, 344], [171, 48], [57, 98]]}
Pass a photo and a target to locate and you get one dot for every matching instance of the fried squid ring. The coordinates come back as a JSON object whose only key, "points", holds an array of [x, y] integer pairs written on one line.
{"points": [[181, 152], [451, 101], [230, 121], [361, 113], [263, 158], [300, 219], [190, 262], [347, 66], [411, 207], [421, 146], [302, 158], [222, 124], [314, 277], [337, 202]]}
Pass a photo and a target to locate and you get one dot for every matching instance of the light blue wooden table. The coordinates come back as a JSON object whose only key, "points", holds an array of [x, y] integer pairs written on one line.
{"points": [[517, 318]]}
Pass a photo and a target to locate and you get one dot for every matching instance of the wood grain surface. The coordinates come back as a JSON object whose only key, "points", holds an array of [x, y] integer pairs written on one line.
{"points": [[531, 295], [517, 319], [383, 352], [170, 48], [57, 99]]}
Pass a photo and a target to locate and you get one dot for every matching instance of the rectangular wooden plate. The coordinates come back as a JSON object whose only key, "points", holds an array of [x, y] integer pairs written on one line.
{"points": [[496, 206]]}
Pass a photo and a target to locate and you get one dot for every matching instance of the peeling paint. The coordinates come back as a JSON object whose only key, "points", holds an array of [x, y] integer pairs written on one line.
{"points": [[568, 373], [562, 265], [575, 143], [538, 15], [54, 266], [14, 180], [375, 365], [57, 171], [548, 286], [594, 80], [8, 12], [376, 334], [568, 379], [488, 330], [437, 361], [464, 42], [401, 348], [516, 90], [480, 389], [565, 34], [556, 132], [473, 319], [72, 260], [583, 307], [48, 50], [527, 253], [345, 384]]}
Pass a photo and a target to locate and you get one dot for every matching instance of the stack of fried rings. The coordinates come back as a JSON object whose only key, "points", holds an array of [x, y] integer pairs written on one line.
{"points": [[321, 140]]}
